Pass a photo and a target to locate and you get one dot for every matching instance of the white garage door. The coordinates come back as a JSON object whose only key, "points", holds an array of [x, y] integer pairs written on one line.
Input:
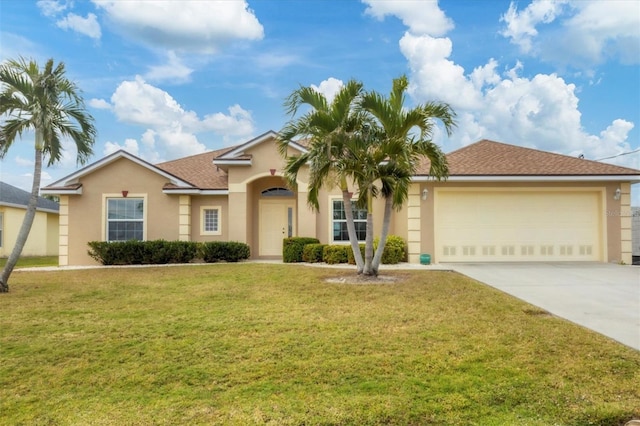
{"points": [[518, 226]]}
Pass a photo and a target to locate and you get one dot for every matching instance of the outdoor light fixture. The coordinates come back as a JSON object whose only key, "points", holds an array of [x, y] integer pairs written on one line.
{"points": [[125, 193], [616, 195], [425, 194], [272, 171]]}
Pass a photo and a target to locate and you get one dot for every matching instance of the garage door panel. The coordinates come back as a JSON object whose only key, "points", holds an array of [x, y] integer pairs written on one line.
{"points": [[518, 226]]}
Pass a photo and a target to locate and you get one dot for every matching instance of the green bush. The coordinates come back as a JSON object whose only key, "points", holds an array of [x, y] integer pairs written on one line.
{"points": [[227, 251], [351, 258], [292, 248], [132, 252], [395, 250], [333, 254], [312, 253]]}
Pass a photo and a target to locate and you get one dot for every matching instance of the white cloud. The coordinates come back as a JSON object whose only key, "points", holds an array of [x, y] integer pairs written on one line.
{"points": [[51, 8], [130, 145], [587, 32], [88, 26], [422, 17], [194, 26], [174, 70], [521, 26], [539, 111], [171, 131], [329, 88], [99, 103], [24, 162]]}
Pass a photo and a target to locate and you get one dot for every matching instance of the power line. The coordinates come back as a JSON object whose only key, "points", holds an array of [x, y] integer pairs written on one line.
{"points": [[619, 155]]}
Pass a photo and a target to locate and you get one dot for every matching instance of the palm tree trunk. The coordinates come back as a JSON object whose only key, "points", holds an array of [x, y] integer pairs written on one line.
{"points": [[351, 229], [30, 214], [368, 248], [386, 220]]}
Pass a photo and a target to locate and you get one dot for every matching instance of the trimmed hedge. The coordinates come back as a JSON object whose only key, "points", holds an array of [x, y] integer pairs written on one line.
{"points": [[292, 248], [395, 250], [155, 252], [158, 252], [333, 254], [227, 251], [312, 253]]}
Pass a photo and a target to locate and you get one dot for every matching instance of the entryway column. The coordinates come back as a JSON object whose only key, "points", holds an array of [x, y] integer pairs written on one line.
{"points": [[306, 216], [238, 212], [63, 231], [626, 252], [413, 224], [184, 218]]}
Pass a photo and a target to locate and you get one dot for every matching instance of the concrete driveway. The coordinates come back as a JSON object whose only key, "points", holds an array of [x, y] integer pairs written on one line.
{"points": [[602, 297]]}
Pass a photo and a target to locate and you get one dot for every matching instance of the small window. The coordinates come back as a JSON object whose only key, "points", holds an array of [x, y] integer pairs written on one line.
{"points": [[125, 219], [339, 221], [210, 221], [1, 228]]}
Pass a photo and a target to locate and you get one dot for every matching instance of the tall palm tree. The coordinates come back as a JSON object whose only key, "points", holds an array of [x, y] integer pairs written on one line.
{"points": [[401, 139], [47, 102], [327, 127]]}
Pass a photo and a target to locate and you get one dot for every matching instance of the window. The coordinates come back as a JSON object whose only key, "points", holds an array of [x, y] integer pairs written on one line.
{"points": [[1, 227], [277, 192], [339, 221], [210, 221], [125, 219]]}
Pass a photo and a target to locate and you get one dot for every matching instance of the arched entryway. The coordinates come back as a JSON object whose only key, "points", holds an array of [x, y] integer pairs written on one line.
{"points": [[276, 219]]}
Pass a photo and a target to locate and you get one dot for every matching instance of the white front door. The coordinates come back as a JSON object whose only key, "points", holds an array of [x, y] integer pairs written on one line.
{"points": [[276, 223]]}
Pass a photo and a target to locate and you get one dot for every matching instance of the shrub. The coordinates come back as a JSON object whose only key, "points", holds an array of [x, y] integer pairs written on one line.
{"points": [[333, 254], [292, 248], [312, 253], [395, 250], [142, 252], [351, 258], [227, 251]]}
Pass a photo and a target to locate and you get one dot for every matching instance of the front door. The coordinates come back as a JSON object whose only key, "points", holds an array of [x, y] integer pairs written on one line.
{"points": [[276, 223]]}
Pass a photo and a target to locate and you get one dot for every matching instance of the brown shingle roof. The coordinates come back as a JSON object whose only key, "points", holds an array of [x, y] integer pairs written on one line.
{"points": [[489, 158], [199, 170]]}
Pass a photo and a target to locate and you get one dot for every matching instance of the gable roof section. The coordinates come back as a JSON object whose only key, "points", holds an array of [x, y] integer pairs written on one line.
{"points": [[499, 161], [70, 184], [11, 196], [237, 155]]}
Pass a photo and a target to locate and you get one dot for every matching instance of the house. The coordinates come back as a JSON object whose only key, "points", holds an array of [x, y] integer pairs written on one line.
{"points": [[43, 238], [635, 234], [501, 203]]}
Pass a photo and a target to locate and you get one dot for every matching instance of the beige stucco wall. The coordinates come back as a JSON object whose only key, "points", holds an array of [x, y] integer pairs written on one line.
{"points": [[43, 237], [86, 211], [612, 210], [219, 201]]}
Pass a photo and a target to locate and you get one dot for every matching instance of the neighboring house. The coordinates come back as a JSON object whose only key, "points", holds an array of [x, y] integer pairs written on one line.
{"points": [[43, 238], [500, 203]]}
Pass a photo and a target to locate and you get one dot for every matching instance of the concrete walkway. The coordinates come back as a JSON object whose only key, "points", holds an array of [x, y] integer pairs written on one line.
{"points": [[600, 296]]}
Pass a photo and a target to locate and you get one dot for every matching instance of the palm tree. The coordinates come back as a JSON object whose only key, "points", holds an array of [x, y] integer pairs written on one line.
{"points": [[326, 128], [46, 102], [399, 141]]}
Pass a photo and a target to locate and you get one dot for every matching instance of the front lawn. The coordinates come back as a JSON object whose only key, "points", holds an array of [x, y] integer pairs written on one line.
{"points": [[29, 261], [275, 344]]}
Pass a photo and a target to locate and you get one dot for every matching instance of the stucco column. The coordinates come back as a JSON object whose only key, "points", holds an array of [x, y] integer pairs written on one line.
{"points": [[63, 231], [238, 212], [306, 217], [184, 218], [626, 249], [413, 224]]}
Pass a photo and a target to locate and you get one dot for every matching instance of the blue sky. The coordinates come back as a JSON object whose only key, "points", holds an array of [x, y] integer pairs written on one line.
{"points": [[168, 79]]}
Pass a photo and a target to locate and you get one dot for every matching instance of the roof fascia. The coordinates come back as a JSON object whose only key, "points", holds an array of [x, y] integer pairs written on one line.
{"points": [[538, 178], [53, 191], [253, 142], [231, 162], [73, 177]]}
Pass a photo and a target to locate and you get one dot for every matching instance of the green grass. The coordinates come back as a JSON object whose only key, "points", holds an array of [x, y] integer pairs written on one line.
{"points": [[244, 344], [29, 261]]}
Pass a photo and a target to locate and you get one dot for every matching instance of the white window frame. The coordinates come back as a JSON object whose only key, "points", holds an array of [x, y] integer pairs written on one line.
{"points": [[203, 211], [105, 207], [332, 200], [1, 229]]}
